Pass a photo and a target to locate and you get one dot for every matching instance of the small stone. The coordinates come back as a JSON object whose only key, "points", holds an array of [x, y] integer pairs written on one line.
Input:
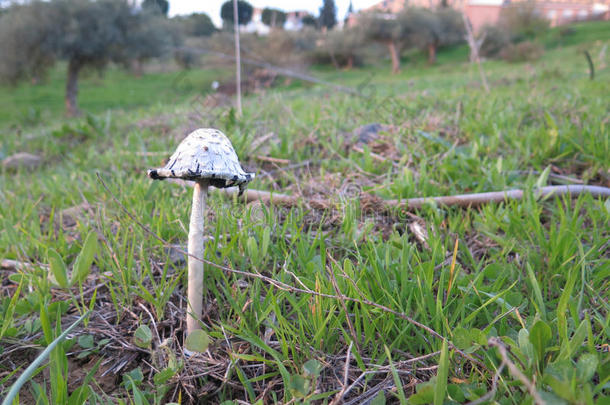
{"points": [[369, 132], [22, 160]]}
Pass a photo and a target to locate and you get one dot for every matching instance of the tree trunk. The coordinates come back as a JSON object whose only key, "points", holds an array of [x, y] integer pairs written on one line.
{"points": [[395, 57], [137, 68], [350, 62], [72, 88], [432, 54]]}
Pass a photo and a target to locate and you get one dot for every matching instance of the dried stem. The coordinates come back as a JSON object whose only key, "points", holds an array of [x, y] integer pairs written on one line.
{"points": [[495, 342]]}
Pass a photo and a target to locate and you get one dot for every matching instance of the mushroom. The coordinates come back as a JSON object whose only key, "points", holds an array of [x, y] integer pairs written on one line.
{"points": [[207, 157]]}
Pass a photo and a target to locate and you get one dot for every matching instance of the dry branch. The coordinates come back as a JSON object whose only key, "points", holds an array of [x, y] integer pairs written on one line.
{"points": [[531, 387], [461, 200]]}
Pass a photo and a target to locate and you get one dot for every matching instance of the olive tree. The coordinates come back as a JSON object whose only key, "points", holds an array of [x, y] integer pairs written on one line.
{"points": [[150, 36], [344, 47], [392, 30], [84, 33], [431, 29], [25, 44]]}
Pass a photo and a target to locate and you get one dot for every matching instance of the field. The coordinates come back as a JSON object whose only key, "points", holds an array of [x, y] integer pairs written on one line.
{"points": [[335, 299]]}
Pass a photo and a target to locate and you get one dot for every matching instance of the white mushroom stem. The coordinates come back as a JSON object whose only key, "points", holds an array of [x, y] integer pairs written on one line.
{"points": [[195, 248]]}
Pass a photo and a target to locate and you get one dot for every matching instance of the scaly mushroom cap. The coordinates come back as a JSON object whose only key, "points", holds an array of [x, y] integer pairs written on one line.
{"points": [[205, 154]]}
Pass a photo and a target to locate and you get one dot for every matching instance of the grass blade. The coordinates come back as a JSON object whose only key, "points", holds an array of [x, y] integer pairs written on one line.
{"points": [[23, 378]]}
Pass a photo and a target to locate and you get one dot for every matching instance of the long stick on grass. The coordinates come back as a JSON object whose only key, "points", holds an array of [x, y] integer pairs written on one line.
{"points": [[23, 378], [460, 200]]}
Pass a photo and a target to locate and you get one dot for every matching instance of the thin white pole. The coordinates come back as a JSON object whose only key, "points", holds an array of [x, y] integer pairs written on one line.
{"points": [[237, 57]]}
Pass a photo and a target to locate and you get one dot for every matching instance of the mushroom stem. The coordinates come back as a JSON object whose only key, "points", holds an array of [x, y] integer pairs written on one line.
{"points": [[195, 248]]}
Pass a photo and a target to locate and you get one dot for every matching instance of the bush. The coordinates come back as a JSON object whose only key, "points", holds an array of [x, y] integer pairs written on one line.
{"points": [[195, 25], [494, 40], [340, 48], [523, 20], [522, 52], [281, 48]]}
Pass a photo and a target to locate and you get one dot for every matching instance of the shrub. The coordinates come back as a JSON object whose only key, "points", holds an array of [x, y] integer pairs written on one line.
{"points": [[195, 25], [340, 48], [494, 40], [522, 52], [523, 20]]}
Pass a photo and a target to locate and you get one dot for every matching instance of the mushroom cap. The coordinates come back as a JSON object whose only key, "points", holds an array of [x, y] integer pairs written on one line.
{"points": [[205, 153]]}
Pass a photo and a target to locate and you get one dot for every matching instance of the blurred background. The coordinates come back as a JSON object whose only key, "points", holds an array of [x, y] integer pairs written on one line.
{"points": [[124, 54]]}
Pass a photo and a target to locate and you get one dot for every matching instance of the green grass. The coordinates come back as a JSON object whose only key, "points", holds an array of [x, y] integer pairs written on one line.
{"points": [[574, 34], [99, 92], [532, 273]]}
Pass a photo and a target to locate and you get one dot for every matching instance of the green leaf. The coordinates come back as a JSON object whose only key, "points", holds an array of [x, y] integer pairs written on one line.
{"points": [[462, 338], [197, 341], [58, 268], [441, 377], [9, 312], [537, 292], [82, 265], [82, 393], [542, 179], [85, 341], [562, 306], [396, 377], [586, 366], [298, 386], [27, 374], [132, 377], [540, 335], [378, 399], [568, 350], [424, 393], [312, 368], [143, 336], [252, 249], [265, 241], [456, 393], [163, 376]]}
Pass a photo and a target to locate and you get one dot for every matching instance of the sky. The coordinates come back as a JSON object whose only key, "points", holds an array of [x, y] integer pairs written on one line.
{"points": [[212, 7]]}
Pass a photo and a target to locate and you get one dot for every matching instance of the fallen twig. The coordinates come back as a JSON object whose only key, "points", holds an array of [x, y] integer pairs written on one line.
{"points": [[373, 155], [273, 160], [460, 200], [8, 264]]}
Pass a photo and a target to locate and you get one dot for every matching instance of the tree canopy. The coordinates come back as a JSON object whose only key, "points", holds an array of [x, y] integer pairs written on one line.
{"points": [[196, 25], [430, 29], [273, 17], [85, 33], [244, 12], [393, 30], [309, 21], [414, 27], [157, 6]]}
